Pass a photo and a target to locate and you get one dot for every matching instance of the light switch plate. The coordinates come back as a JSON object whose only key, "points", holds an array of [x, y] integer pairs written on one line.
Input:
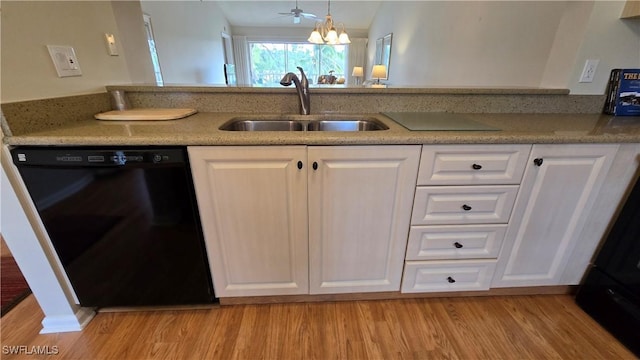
{"points": [[65, 60], [111, 44]]}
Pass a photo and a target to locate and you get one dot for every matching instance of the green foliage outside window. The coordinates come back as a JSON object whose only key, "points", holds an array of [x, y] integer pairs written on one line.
{"points": [[271, 60]]}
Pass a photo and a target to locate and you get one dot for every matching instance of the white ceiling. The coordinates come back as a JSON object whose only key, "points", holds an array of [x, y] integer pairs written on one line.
{"points": [[262, 13]]}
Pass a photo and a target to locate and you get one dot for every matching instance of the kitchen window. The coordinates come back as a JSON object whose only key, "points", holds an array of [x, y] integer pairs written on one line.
{"points": [[271, 60]]}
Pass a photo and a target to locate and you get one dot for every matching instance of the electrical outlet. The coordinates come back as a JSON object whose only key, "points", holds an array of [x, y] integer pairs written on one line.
{"points": [[65, 60], [589, 71]]}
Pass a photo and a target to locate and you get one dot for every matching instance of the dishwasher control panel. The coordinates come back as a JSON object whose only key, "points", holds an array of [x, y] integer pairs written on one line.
{"points": [[95, 157]]}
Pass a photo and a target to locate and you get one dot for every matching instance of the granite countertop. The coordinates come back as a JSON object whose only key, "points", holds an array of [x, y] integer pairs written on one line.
{"points": [[202, 129]]}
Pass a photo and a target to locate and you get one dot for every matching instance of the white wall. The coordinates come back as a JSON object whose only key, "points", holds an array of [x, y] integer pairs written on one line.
{"points": [[435, 43], [566, 44], [133, 42], [294, 33], [475, 43], [188, 40], [28, 26], [615, 42], [505, 43]]}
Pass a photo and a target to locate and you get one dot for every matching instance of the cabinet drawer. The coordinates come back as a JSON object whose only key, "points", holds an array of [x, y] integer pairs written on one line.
{"points": [[441, 276], [441, 205], [455, 242], [472, 164]]}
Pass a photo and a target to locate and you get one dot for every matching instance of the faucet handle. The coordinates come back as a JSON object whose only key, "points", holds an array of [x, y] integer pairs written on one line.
{"points": [[303, 77]]}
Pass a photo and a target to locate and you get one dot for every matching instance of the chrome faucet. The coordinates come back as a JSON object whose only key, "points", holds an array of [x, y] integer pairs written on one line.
{"points": [[302, 86]]}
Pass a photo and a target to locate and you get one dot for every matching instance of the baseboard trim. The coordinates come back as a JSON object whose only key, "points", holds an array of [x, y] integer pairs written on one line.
{"points": [[67, 323], [514, 291], [159, 308]]}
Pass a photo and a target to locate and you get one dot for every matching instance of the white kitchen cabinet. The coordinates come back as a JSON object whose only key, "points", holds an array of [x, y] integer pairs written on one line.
{"points": [[556, 195], [253, 209], [463, 203], [281, 220], [360, 201]]}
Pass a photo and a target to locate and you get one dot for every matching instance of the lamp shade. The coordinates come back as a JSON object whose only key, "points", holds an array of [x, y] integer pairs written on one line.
{"points": [[357, 71], [344, 38], [315, 37], [379, 71], [332, 37]]}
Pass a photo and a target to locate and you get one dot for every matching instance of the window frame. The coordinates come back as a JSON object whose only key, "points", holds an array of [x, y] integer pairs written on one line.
{"points": [[289, 41]]}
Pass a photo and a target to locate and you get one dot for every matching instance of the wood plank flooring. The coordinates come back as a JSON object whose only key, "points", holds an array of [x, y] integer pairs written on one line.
{"points": [[500, 327]]}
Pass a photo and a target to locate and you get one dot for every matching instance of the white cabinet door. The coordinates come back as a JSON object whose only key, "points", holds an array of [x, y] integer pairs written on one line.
{"points": [[360, 200], [557, 193], [253, 208]]}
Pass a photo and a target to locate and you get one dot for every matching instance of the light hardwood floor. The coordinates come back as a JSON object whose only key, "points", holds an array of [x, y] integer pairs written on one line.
{"points": [[501, 327]]}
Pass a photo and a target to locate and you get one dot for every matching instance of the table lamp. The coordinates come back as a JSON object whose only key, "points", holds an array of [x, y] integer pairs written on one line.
{"points": [[379, 71], [357, 73]]}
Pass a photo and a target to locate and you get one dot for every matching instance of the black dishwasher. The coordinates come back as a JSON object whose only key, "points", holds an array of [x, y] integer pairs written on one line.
{"points": [[610, 292], [123, 221]]}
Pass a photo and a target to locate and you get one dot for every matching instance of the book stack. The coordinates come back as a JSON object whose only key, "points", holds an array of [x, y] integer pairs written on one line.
{"points": [[623, 93]]}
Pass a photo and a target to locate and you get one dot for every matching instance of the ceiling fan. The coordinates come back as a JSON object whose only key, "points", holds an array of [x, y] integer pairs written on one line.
{"points": [[298, 13]]}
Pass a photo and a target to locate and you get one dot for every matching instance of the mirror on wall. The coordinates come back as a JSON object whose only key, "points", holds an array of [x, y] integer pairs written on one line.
{"points": [[383, 52], [430, 43]]}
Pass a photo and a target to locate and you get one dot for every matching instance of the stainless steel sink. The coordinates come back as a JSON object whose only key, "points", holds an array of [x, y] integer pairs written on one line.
{"points": [[304, 123], [346, 125], [262, 125]]}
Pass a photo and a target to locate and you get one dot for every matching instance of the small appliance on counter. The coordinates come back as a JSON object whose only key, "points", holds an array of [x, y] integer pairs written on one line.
{"points": [[611, 291], [123, 222]]}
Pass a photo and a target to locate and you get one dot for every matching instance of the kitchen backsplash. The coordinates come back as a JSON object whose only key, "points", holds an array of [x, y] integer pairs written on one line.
{"points": [[36, 115]]}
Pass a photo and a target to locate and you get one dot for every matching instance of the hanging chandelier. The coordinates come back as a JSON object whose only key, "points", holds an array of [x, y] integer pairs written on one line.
{"points": [[325, 32]]}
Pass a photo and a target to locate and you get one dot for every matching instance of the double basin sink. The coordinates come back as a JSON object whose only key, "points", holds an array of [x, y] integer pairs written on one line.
{"points": [[303, 123]]}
